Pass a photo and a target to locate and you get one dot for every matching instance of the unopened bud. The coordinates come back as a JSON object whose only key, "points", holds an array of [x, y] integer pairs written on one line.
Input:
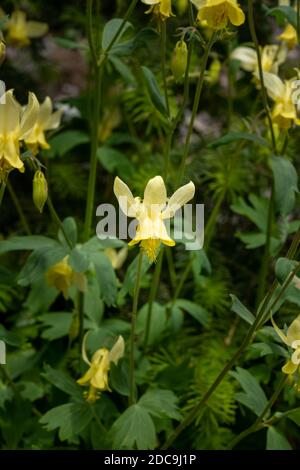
{"points": [[40, 190], [179, 60]]}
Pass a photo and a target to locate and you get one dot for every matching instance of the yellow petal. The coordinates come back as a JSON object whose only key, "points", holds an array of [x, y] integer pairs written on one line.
{"points": [[127, 202], [296, 357], [155, 192], [117, 351], [289, 368], [30, 116], [293, 332], [35, 29], [279, 332], [274, 85], [86, 377], [247, 57], [235, 13], [178, 199]]}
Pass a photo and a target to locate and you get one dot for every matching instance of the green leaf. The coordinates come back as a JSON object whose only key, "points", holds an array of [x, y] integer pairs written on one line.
{"points": [[240, 309], [119, 377], [57, 325], [254, 396], [158, 322], [294, 415], [286, 184], [130, 277], [70, 419], [154, 92], [93, 304], [69, 43], [39, 262], [32, 242], [196, 311], [70, 228], [115, 161], [31, 391], [9, 337], [110, 30], [257, 211], [284, 12], [65, 141], [6, 394], [78, 260], [63, 382], [106, 278], [160, 404], [134, 429], [276, 441], [283, 267], [236, 136], [123, 69]]}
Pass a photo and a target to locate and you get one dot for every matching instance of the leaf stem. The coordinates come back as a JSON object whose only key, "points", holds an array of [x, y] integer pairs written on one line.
{"points": [[18, 207]]}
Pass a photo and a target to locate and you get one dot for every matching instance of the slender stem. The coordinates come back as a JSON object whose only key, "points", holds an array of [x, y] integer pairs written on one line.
{"points": [[2, 188], [195, 106], [171, 267], [262, 279], [132, 395], [152, 295], [210, 227], [258, 424], [163, 43], [261, 75], [182, 280], [58, 222], [298, 20], [18, 207], [262, 313]]}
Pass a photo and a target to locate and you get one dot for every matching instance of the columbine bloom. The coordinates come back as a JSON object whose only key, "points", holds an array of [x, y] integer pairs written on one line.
{"points": [[151, 212], [291, 339], [96, 376], [289, 36], [272, 57], [117, 258], [20, 31], [284, 112], [15, 124], [217, 13], [61, 276], [161, 8], [46, 120]]}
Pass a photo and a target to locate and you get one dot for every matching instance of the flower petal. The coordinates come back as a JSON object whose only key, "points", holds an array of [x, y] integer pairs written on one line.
{"points": [[35, 29], [178, 199], [279, 332], [247, 57], [155, 192], [29, 116], [274, 85], [117, 351], [127, 202], [293, 332], [235, 13], [289, 368]]}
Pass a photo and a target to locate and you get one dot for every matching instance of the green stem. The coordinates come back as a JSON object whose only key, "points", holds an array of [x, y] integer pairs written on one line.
{"points": [[163, 42], [210, 227], [260, 69], [298, 20], [2, 189], [172, 272], [262, 279], [18, 207], [258, 424], [262, 313], [152, 295], [132, 394], [58, 222], [195, 107]]}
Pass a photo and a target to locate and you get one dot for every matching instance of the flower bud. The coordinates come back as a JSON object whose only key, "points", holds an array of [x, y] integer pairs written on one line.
{"points": [[2, 50], [179, 60], [40, 190]]}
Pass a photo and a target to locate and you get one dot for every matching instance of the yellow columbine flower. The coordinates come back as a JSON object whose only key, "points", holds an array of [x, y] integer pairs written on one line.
{"points": [[272, 56], [218, 13], [117, 258], [46, 120], [20, 31], [15, 124], [291, 339], [97, 374], [160, 8], [289, 36], [284, 112], [62, 276], [151, 212]]}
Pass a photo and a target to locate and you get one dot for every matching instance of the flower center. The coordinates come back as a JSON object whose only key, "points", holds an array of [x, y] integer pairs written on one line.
{"points": [[150, 247]]}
